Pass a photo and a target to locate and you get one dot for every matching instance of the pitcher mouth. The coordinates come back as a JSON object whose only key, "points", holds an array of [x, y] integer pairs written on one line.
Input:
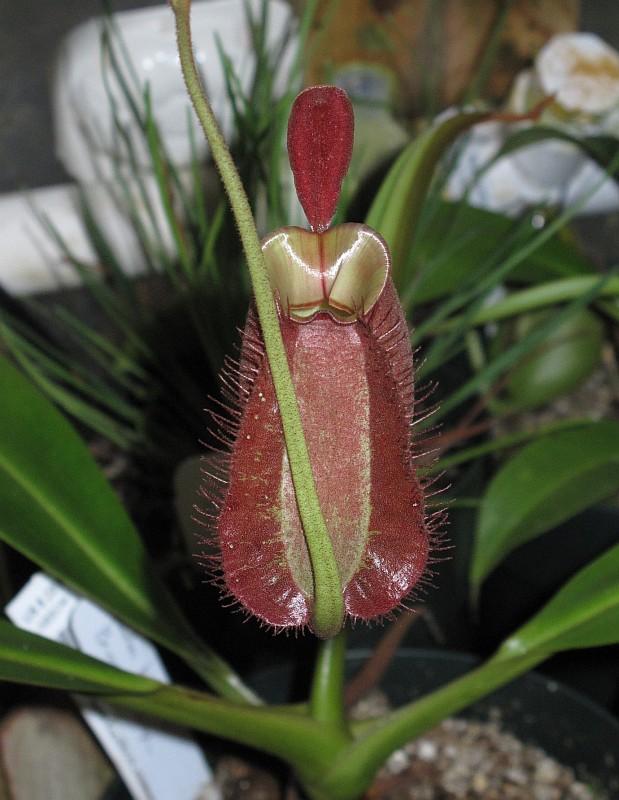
{"points": [[341, 272]]}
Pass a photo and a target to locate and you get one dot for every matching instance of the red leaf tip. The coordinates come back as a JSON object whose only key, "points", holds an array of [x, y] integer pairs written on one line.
{"points": [[320, 140]]}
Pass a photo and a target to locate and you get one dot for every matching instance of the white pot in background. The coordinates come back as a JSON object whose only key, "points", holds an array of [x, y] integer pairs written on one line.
{"points": [[30, 260], [84, 80]]}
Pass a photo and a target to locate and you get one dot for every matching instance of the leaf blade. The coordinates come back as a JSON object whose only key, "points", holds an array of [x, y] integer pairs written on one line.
{"points": [[58, 510], [397, 206], [547, 482], [583, 613], [28, 658]]}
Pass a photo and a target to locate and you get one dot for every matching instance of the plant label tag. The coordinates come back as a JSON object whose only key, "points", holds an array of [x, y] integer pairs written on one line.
{"points": [[155, 762]]}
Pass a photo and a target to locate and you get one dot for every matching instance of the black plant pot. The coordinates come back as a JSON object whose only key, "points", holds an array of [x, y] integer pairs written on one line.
{"points": [[537, 710]]}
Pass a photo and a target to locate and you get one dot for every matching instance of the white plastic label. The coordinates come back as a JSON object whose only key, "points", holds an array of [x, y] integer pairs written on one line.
{"points": [[155, 762]]}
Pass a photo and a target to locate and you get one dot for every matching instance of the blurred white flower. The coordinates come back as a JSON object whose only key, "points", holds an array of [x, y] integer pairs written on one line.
{"points": [[581, 71], [504, 185]]}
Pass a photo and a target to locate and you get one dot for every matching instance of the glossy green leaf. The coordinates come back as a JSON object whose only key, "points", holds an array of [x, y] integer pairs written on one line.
{"points": [[57, 508], [584, 613], [397, 206], [28, 658], [547, 482], [499, 443]]}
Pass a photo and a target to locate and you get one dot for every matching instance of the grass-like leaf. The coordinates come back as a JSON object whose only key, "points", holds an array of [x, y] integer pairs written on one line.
{"points": [[503, 362]]}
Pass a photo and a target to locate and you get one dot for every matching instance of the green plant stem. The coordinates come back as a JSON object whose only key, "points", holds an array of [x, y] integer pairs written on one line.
{"points": [[520, 302], [295, 738], [328, 612], [327, 694], [352, 773]]}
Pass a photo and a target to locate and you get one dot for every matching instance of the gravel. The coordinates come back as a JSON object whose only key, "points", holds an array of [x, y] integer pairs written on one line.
{"points": [[465, 760]]}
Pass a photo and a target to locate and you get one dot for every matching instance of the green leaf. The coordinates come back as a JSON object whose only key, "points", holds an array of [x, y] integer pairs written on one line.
{"points": [[58, 509], [546, 483], [499, 443], [550, 293], [491, 272], [584, 613], [397, 206], [28, 658], [558, 366], [459, 238]]}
